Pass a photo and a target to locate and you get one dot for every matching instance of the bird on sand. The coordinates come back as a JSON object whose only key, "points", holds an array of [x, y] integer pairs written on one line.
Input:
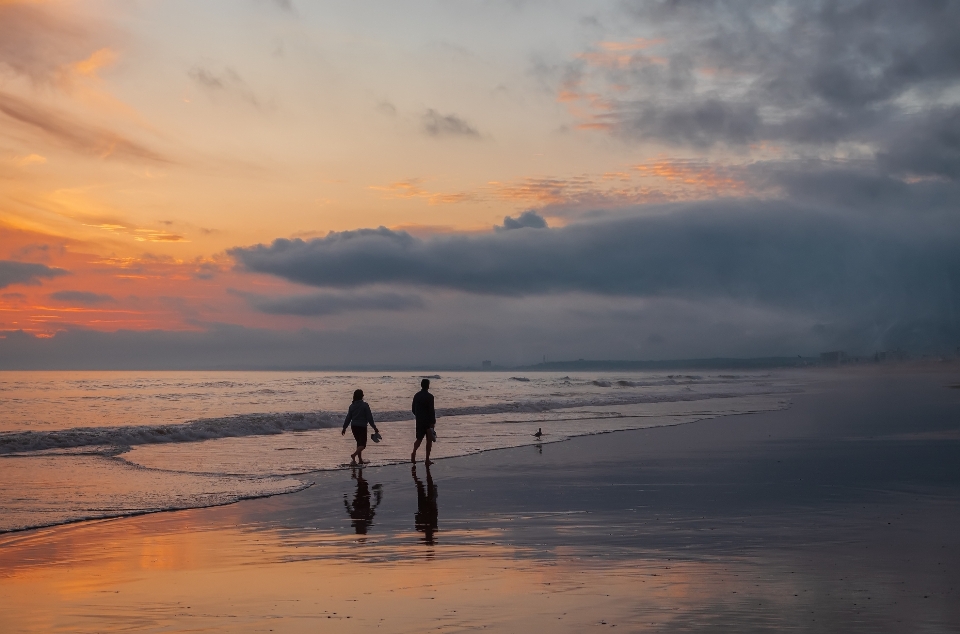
{"points": [[539, 433]]}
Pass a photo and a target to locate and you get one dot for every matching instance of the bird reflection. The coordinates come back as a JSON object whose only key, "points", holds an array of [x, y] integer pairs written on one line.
{"points": [[361, 512], [425, 519]]}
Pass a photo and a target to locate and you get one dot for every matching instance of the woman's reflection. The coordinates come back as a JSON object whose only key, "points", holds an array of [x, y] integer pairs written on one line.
{"points": [[425, 519], [362, 511]]}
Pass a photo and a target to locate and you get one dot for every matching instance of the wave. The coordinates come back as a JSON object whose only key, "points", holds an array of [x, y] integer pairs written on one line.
{"points": [[281, 486], [12, 443]]}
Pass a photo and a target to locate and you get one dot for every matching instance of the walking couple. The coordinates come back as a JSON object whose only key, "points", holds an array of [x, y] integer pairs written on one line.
{"points": [[359, 415]]}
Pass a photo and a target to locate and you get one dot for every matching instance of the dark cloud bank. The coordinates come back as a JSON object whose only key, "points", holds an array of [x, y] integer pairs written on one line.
{"points": [[331, 303], [888, 281]]}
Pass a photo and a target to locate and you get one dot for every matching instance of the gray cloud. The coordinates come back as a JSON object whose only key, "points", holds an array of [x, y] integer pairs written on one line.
{"points": [[332, 303], [868, 278], [12, 272], [925, 146], [877, 72], [227, 81], [528, 219], [440, 125], [85, 298], [285, 5]]}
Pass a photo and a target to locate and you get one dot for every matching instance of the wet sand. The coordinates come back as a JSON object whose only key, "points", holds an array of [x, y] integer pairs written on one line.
{"points": [[841, 513]]}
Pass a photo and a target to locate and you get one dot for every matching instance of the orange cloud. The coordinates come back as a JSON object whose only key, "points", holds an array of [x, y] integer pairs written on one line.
{"points": [[623, 54], [411, 188], [75, 134], [30, 159], [696, 176], [97, 60], [130, 292], [664, 180], [636, 44]]}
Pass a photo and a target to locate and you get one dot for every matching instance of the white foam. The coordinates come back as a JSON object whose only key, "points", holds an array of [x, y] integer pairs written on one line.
{"points": [[277, 423]]}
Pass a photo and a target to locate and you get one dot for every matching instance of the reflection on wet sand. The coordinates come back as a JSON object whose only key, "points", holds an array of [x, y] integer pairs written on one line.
{"points": [[361, 511], [174, 573], [427, 515]]}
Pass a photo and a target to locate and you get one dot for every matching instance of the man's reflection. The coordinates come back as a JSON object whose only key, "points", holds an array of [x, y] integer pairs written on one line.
{"points": [[362, 511], [425, 519]]}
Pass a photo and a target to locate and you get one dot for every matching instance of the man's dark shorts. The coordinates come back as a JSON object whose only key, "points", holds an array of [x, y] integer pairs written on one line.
{"points": [[360, 433], [422, 431]]}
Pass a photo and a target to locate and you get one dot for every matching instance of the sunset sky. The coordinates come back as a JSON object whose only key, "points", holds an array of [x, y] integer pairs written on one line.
{"points": [[254, 183]]}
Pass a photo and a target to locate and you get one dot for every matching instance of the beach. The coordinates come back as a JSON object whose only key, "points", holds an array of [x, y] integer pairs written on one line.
{"points": [[839, 513]]}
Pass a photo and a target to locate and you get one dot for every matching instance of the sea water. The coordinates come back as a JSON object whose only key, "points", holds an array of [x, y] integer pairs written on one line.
{"points": [[87, 445]]}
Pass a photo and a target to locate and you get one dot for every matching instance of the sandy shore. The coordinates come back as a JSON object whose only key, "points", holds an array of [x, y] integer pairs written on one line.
{"points": [[839, 514]]}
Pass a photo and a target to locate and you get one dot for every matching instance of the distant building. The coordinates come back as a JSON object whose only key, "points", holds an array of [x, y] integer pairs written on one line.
{"points": [[891, 355], [487, 365], [835, 357]]}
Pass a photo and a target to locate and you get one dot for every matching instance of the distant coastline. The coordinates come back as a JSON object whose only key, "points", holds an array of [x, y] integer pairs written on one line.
{"points": [[715, 363], [578, 365]]}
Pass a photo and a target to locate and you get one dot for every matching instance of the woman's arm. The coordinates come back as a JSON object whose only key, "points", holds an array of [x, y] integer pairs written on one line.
{"points": [[370, 419]]}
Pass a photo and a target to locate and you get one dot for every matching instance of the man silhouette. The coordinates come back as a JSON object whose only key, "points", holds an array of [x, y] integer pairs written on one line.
{"points": [[426, 419]]}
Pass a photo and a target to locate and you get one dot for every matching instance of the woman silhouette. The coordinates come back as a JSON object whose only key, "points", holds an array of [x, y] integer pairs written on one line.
{"points": [[357, 418]]}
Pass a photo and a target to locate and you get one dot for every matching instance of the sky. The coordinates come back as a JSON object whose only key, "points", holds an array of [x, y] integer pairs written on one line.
{"points": [[283, 183]]}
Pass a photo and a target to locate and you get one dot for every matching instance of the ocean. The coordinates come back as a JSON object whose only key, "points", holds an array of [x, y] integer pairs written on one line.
{"points": [[80, 446]]}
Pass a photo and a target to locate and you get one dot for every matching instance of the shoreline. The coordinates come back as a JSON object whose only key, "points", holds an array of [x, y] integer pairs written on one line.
{"points": [[346, 467], [820, 516]]}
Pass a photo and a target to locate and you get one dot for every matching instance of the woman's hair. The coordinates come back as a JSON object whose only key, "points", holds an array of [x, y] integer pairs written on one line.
{"points": [[357, 395]]}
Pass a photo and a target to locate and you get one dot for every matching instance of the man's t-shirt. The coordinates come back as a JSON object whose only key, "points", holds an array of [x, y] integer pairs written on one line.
{"points": [[423, 409]]}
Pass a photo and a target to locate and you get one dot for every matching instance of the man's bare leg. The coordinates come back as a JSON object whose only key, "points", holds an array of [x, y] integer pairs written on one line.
{"points": [[429, 447], [416, 445]]}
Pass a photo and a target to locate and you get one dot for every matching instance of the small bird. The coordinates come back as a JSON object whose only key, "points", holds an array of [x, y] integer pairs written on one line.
{"points": [[539, 433]]}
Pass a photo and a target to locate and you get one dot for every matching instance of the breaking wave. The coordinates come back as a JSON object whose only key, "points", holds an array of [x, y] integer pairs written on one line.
{"points": [[278, 423]]}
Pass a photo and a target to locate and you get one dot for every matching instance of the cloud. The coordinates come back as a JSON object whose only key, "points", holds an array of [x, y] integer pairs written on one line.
{"points": [[838, 267], [85, 298], [925, 146], [882, 74], [38, 43], [78, 136], [331, 303], [284, 5], [386, 108], [528, 219], [439, 125], [413, 188], [226, 81], [12, 272]]}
